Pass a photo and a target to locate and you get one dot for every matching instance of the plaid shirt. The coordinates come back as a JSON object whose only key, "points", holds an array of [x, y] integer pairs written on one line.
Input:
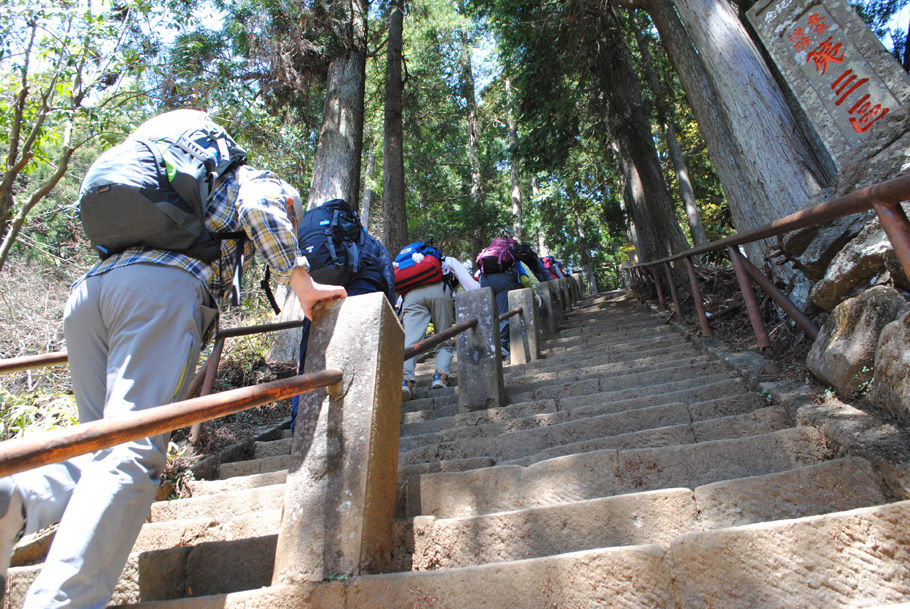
{"points": [[251, 200]]}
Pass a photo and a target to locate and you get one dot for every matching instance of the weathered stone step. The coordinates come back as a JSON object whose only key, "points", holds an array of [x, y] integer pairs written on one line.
{"points": [[608, 365], [647, 517], [574, 348], [587, 422], [661, 366], [705, 387], [179, 571], [708, 387], [857, 558], [765, 420], [200, 488], [528, 446], [598, 380], [273, 448], [225, 504], [544, 412], [224, 527], [625, 520], [581, 580], [605, 473], [253, 466]]}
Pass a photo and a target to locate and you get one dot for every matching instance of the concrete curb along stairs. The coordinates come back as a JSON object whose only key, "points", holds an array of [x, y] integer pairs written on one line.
{"points": [[631, 468]]}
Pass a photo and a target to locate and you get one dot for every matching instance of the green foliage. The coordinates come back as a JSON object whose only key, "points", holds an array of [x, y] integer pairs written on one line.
{"points": [[33, 412]]}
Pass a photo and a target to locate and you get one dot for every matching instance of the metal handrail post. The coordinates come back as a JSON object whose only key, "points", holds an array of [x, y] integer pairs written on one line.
{"points": [[211, 370], [696, 296], [897, 227], [801, 319], [742, 277], [672, 285], [660, 292]]}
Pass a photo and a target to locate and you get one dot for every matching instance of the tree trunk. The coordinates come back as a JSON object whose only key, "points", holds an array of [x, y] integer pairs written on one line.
{"points": [[666, 119], [366, 206], [517, 219], [467, 90], [779, 164], [658, 230], [336, 169], [587, 261], [714, 124], [541, 235], [395, 217]]}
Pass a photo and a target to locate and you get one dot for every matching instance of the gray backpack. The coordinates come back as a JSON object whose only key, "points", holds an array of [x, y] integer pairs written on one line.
{"points": [[152, 189]]}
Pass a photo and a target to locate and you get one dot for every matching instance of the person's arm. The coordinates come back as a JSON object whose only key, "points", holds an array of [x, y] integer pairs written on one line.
{"points": [[461, 274], [263, 215]]}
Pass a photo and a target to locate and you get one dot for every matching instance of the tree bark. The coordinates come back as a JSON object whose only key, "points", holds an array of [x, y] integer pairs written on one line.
{"points": [[587, 261], [665, 117], [658, 230], [395, 218], [715, 125], [542, 249], [467, 91], [517, 215], [336, 169], [779, 164], [366, 206]]}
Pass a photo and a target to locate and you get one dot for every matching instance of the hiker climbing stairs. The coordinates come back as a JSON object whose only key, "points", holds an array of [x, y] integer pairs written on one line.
{"points": [[631, 467]]}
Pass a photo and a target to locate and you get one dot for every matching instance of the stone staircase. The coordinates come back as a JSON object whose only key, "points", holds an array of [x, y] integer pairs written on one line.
{"points": [[631, 468]]}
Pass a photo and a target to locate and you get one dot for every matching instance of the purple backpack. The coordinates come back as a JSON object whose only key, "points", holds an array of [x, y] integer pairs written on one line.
{"points": [[499, 256]]}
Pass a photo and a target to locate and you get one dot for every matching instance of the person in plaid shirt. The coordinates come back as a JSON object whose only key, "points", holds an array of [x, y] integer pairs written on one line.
{"points": [[134, 325]]}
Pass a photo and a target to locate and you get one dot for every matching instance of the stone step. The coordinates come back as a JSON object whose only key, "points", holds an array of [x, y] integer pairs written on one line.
{"points": [[609, 366], [616, 376], [707, 388], [179, 571], [225, 504], [273, 448], [759, 422], [647, 517], [605, 473], [200, 488], [857, 558], [556, 428], [253, 466], [534, 414], [580, 580], [712, 386], [625, 520], [223, 527]]}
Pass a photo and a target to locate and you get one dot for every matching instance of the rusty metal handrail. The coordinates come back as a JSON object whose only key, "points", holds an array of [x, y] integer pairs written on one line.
{"points": [[511, 313], [885, 198], [51, 447], [422, 346], [27, 362], [887, 194]]}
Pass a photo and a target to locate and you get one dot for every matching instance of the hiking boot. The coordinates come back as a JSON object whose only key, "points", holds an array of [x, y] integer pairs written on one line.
{"points": [[12, 526], [440, 380], [406, 386]]}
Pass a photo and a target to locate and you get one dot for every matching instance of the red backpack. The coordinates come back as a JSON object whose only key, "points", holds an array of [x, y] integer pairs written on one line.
{"points": [[499, 256], [416, 265]]}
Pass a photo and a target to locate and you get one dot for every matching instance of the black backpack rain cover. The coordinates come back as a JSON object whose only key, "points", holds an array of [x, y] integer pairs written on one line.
{"points": [[331, 237]]}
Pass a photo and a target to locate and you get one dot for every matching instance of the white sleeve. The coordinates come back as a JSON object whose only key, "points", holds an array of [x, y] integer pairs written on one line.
{"points": [[461, 274]]}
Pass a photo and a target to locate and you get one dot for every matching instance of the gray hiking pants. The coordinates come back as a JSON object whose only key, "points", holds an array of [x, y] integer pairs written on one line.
{"points": [[133, 336], [419, 307]]}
